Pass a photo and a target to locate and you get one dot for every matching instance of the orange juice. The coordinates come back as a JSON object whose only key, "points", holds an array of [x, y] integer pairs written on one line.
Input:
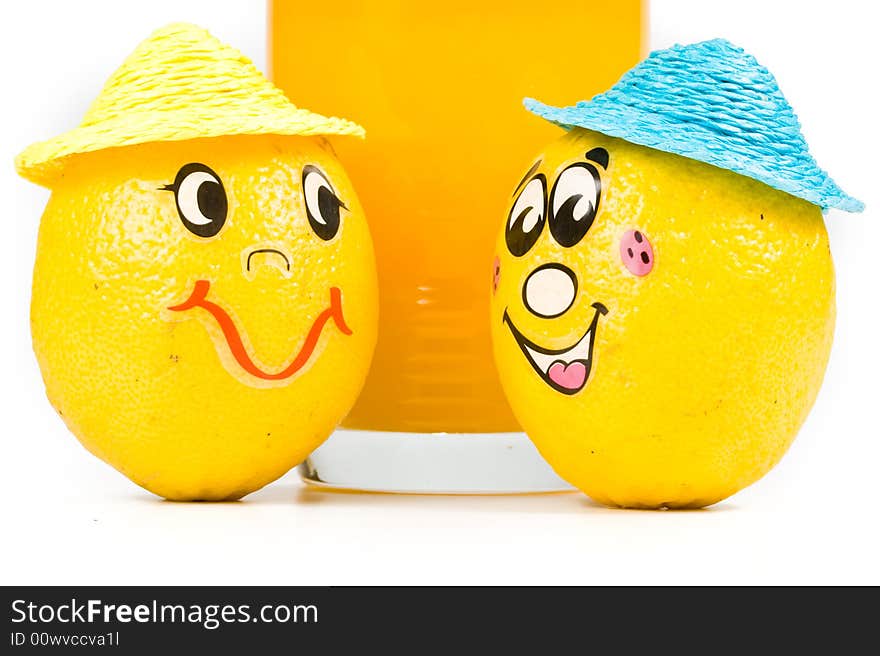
{"points": [[439, 89]]}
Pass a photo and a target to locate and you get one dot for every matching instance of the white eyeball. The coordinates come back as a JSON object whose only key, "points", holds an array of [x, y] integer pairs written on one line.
{"points": [[200, 198], [526, 219], [322, 203], [573, 203]]}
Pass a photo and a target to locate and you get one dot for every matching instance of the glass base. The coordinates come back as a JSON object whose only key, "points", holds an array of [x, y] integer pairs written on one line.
{"points": [[431, 463]]}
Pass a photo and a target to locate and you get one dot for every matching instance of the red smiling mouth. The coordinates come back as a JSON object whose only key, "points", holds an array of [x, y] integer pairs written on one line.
{"points": [[234, 341]]}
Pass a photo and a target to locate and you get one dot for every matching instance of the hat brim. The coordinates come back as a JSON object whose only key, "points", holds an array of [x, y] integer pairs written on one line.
{"points": [[689, 138], [44, 162]]}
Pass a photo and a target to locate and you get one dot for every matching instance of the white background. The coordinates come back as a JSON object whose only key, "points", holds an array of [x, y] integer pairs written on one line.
{"points": [[68, 518]]}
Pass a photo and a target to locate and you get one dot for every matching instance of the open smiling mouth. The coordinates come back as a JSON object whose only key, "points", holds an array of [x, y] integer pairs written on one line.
{"points": [[236, 346], [565, 370]]}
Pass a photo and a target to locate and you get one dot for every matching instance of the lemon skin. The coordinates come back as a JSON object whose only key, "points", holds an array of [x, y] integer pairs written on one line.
{"points": [[704, 369], [156, 393]]}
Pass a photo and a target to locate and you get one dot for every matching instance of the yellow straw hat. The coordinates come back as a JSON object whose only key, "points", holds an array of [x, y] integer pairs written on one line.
{"points": [[181, 83]]}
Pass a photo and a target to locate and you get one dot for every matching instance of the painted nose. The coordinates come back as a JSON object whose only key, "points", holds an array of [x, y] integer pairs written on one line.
{"points": [[550, 290], [271, 256]]}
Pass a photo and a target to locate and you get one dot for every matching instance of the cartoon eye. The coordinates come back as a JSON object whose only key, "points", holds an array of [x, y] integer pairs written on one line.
{"points": [[526, 218], [574, 202], [201, 199], [322, 203]]}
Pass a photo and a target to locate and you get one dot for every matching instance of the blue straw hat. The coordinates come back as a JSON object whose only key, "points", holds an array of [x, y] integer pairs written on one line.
{"points": [[711, 102]]}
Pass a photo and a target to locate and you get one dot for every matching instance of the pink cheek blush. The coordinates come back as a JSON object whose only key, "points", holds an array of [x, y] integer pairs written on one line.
{"points": [[637, 253]]}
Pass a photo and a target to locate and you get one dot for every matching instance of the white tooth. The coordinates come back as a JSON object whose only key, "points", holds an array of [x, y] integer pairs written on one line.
{"points": [[580, 351], [541, 359]]}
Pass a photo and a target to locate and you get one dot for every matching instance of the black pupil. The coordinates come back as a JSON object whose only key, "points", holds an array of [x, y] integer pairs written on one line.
{"points": [[328, 205], [568, 229], [323, 209], [518, 240], [326, 224], [212, 200]]}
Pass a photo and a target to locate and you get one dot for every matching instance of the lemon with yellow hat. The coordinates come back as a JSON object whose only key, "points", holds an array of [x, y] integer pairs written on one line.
{"points": [[204, 298], [663, 291]]}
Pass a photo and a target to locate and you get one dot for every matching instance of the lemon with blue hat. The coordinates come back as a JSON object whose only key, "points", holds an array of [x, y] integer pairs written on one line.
{"points": [[663, 289], [204, 302]]}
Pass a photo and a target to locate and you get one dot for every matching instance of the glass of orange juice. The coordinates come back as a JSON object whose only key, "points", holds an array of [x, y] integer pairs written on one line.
{"points": [[439, 89]]}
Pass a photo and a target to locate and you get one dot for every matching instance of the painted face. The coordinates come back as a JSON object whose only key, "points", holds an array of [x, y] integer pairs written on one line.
{"points": [[248, 252], [625, 325], [554, 317], [217, 309], [202, 203]]}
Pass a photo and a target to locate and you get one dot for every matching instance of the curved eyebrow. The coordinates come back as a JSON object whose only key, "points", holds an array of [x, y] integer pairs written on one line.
{"points": [[598, 156], [528, 175]]}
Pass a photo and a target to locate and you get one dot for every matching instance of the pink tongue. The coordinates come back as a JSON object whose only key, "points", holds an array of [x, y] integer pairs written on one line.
{"points": [[571, 376]]}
